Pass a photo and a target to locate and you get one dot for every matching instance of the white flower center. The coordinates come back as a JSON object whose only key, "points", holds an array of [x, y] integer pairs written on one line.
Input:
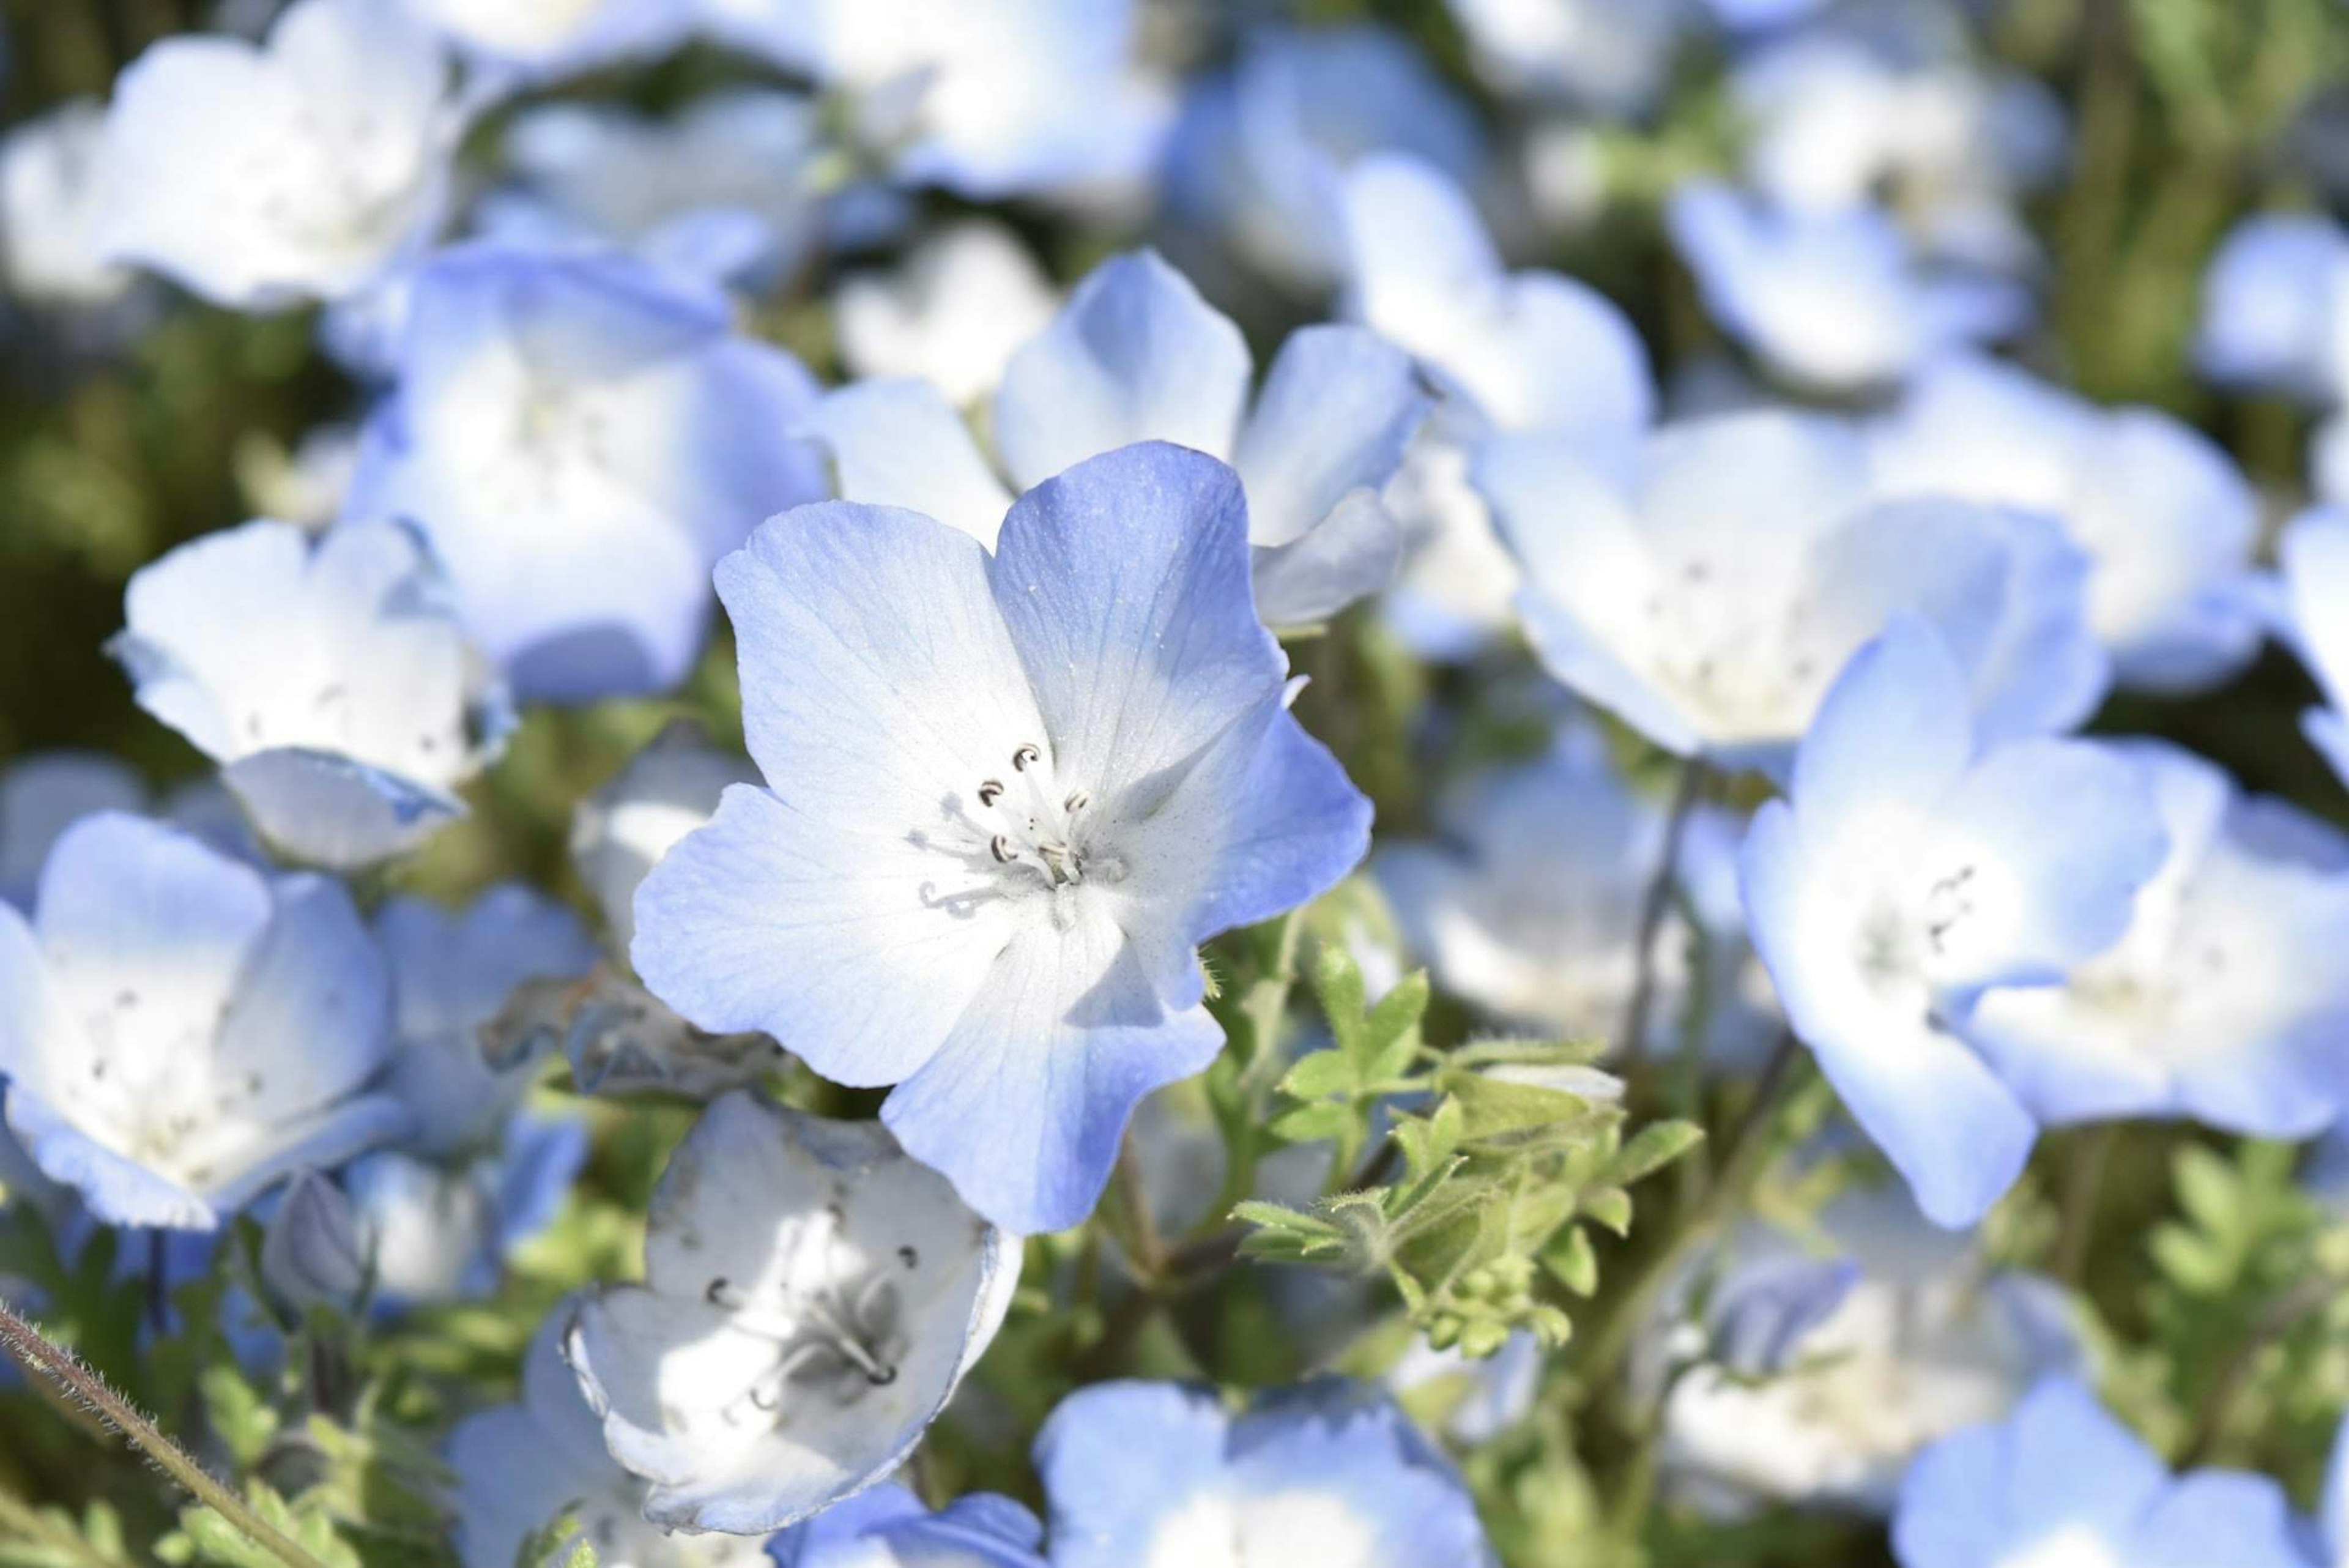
{"points": [[838, 1334], [1039, 827]]}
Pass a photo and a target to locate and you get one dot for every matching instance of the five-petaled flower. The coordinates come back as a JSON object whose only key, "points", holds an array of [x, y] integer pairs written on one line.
{"points": [[180, 1030], [1911, 869], [1007, 797], [811, 1299]]}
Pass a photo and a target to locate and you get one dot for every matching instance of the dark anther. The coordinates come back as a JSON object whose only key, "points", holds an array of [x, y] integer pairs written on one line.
{"points": [[717, 1292], [908, 1256], [990, 792], [1000, 848], [1023, 756]]}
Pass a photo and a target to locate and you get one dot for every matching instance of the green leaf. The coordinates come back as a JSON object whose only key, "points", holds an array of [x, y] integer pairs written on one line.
{"points": [[1611, 1207], [1319, 1075], [244, 1419], [1393, 1026], [1316, 1123], [1572, 1262], [1652, 1149], [1493, 1108], [1339, 982]]}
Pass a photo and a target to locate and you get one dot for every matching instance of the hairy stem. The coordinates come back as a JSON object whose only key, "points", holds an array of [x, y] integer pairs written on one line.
{"points": [[42, 1355]]}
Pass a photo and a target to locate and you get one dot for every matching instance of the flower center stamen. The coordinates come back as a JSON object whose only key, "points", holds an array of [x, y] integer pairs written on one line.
{"points": [[1036, 821]]}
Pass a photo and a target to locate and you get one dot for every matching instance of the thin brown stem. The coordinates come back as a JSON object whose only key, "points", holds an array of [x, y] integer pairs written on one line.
{"points": [[43, 1355]]}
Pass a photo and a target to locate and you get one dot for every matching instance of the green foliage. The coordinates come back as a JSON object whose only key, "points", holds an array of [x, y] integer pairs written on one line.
{"points": [[1499, 1174], [558, 1543]]}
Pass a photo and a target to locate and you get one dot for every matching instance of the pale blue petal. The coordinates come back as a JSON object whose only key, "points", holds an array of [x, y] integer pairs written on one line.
{"points": [[2218, 1516], [1987, 1494], [1128, 1468], [130, 908], [1135, 355], [116, 1190], [2072, 830], [1125, 586], [326, 809], [898, 443], [1062, 1042], [854, 912], [453, 973], [1337, 409], [1948, 1125], [543, 1157], [2267, 304], [1118, 1457], [1354, 552], [1893, 728]]}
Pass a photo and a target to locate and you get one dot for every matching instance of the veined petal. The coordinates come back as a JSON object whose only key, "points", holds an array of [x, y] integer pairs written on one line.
{"points": [[1125, 586], [1264, 822], [1135, 355], [1062, 1042], [857, 950]]}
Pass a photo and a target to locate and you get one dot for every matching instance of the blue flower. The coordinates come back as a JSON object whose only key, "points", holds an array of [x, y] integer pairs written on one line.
{"points": [[518, 1466], [1138, 356], [1706, 589], [995, 831], [1815, 1376], [581, 438], [811, 1299], [887, 1527], [1259, 155], [1837, 301], [1330, 1473], [304, 170], [1911, 869], [329, 679], [2060, 1481], [722, 191], [2167, 521], [1513, 351], [2223, 1001], [437, 1230], [2315, 552], [178, 1030]]}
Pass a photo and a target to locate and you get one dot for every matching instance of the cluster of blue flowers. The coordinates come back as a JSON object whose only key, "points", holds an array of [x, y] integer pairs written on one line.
{"points": [[1790, 686]]}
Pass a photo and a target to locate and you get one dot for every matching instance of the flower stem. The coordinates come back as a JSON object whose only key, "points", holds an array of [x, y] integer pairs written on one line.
{"points": [[1686, 792], [43, 1355], [1745, 1155]]}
